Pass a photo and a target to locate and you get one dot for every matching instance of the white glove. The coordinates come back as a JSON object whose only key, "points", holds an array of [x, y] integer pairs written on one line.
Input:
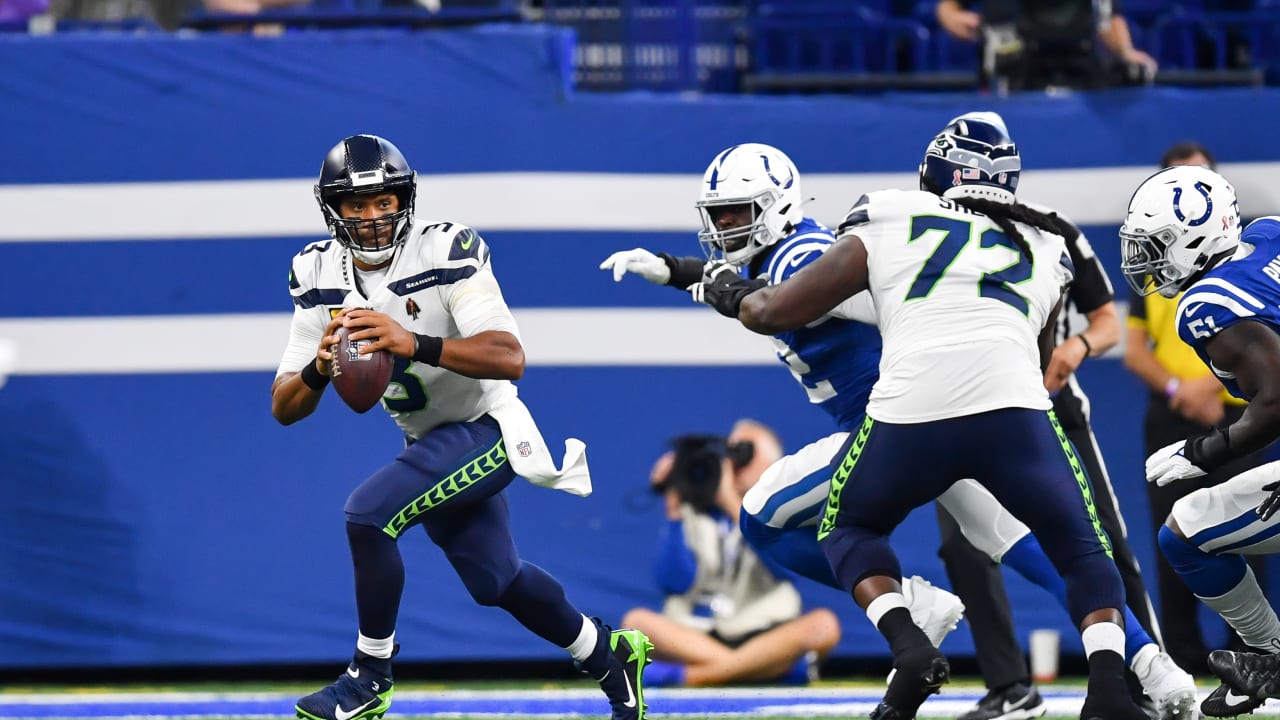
{"points": [[640, 262], [1169, 464]]}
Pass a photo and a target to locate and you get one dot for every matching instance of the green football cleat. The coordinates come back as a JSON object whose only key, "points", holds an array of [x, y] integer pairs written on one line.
{"points": [[624, 683], [358, 694]]}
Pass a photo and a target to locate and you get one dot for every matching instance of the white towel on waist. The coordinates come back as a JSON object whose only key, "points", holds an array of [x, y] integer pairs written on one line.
{"points": [[530, 457]]}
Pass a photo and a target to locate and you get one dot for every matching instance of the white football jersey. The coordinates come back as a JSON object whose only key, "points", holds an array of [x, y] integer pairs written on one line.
{"points": [[959, 306], [439, 283]]}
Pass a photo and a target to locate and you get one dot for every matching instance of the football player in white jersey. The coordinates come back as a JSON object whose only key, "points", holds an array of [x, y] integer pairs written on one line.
{"points": [[1182, 234], [426, 292], [966, 287]]}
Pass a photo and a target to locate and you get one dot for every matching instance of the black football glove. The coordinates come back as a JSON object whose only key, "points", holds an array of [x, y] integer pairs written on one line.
{"points": [[723, 289], [1272, 503]]}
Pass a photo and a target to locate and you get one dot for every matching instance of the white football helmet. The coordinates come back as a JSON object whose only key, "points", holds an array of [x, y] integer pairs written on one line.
{"points": [[1182, 221], [751, 177]]}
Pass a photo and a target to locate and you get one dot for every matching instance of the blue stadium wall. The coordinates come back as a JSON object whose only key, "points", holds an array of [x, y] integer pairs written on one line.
{"points": [[153, 190]]}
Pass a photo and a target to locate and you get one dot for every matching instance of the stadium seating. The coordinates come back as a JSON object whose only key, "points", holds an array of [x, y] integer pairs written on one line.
{"points": [[786, 45]]}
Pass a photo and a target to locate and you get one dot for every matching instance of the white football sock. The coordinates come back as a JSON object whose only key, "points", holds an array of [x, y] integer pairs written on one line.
{"points": [[376, 648], [1103, 636], [884, 604], [582, 647]]}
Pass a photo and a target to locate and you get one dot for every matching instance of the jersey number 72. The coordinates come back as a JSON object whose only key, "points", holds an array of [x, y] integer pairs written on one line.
{"points": [[956, 234]]}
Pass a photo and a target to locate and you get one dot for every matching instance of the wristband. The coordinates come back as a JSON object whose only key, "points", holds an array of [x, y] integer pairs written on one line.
{"points": [[313, 378], [1171, 387], [685, 271], [1210, 450], [427, 349], [1088, 349]]}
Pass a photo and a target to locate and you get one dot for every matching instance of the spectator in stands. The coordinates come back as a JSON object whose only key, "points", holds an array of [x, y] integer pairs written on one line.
{"points": [[249, 7], [18, 10], [1185, 399], [960, 20], [168, 14], [727, 616]]}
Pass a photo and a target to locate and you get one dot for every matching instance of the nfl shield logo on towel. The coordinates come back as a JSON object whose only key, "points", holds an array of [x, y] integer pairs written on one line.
{"points": [[524, 449]]}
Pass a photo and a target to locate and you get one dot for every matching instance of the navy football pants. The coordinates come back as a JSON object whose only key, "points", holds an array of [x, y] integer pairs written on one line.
{"points": [[1020, 455], [451, 482]]}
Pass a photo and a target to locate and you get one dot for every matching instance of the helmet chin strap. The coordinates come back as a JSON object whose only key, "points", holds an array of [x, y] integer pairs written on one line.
{"points": [[374, 257]]}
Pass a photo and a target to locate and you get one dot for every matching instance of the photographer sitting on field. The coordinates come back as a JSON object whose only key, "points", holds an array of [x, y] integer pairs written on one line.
{"points": [[727, 617]]}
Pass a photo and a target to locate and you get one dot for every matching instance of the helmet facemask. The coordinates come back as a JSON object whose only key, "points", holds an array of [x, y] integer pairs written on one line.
{"points": [[367, 166], [1146, 264], [735, 245], [371, 240], [1182, 222], [760, 185]]}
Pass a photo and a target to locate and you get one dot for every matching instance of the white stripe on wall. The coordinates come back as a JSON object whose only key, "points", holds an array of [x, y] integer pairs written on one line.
{"points": [[254, 342], [516, 201]]}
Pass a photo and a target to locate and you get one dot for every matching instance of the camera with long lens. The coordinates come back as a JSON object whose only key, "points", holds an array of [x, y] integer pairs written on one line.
{"points": [[695, 471]]}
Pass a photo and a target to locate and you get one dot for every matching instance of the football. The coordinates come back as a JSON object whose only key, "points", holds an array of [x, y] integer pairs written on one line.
{"points": [[360, 379]]}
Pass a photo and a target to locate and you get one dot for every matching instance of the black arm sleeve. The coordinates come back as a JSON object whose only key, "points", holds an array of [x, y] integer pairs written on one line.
{"points": [[1090, 290], [1137, 305], [685, 271]]}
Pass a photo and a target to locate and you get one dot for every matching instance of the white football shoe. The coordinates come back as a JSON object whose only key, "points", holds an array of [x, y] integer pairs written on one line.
{"points": [[1171, 688], [934, 610]]}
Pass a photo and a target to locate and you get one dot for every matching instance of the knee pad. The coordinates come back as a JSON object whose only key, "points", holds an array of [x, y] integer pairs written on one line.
{"points": [[856, 553], [1207, 575], [757, 534], [361, 508], [1093, 583], [1178, 551]]}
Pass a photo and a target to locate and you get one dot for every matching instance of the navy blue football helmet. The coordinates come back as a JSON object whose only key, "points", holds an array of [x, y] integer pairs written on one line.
{"points": [[367, 165], [973, 156]]}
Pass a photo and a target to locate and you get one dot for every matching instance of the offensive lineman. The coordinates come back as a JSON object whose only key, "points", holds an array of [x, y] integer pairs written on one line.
{"points": [[752, 218], [960, 313]]}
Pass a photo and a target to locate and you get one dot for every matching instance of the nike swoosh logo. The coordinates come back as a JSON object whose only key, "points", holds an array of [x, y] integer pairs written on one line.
{"points": [[341, 714], [353, 672], [466, 244], [1233, 699], [1015, 705], [1191, 309], [631, 696]]}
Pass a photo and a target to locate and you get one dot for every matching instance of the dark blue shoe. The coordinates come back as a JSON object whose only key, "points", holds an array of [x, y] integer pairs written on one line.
{"points": [[359, 693], [623, 683]]}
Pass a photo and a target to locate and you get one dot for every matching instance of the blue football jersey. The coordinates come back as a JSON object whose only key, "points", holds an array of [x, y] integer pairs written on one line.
{"points": [[1247, 288], [835, 360]]}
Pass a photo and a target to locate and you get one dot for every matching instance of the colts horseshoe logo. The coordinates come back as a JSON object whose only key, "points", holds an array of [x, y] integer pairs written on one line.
{"points": [[791, 177], [1208, 205]]}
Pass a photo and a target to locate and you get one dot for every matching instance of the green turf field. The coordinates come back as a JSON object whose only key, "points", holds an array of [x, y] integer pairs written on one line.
{"points": [[416, 700]]}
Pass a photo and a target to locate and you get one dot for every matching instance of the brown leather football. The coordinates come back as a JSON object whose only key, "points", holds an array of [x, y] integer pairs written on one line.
{"points": [[360, 379]]}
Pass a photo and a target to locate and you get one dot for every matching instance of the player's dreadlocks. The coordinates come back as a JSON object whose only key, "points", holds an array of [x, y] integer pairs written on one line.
{"points": [[1004, 215]]}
